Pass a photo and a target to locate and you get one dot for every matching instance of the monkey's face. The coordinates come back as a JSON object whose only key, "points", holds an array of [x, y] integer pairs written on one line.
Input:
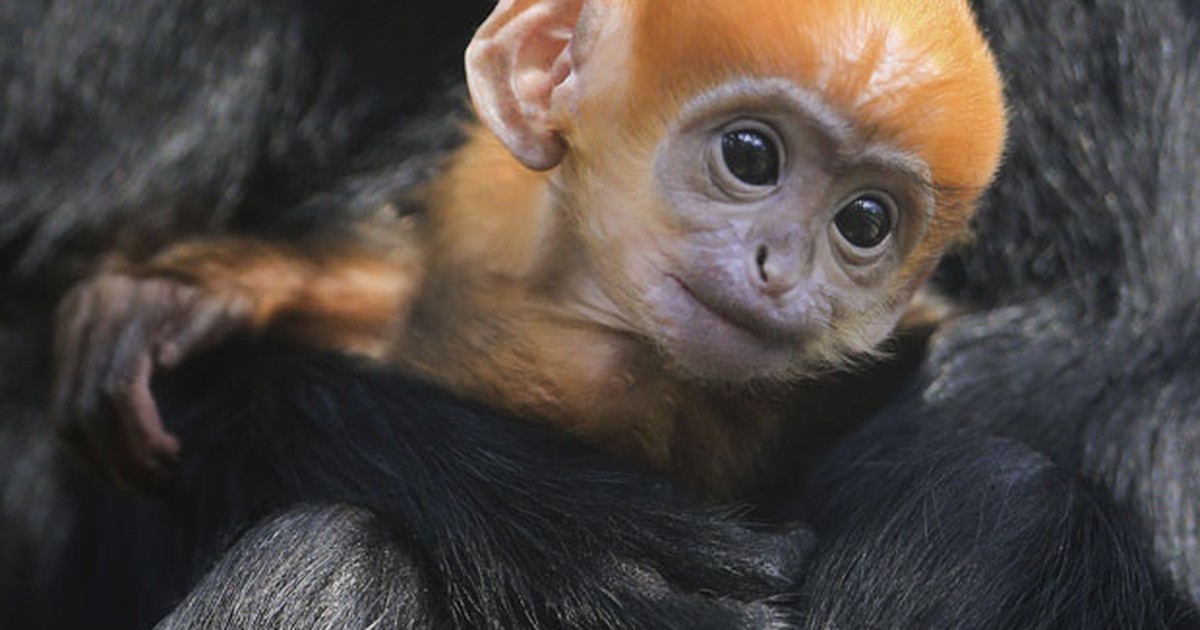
{"points": [[769, 239], [747, 227]]}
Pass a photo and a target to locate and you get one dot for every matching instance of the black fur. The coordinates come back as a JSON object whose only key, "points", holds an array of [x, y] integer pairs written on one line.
{"points": [[1039, 472], [1099, 369], [505, 520], [955, 530]]}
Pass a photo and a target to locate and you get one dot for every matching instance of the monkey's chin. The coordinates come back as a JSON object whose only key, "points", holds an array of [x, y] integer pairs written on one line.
{"points": [[702, 344]]}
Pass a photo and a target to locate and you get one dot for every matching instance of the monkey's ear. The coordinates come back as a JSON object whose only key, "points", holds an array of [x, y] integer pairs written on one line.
{"points": [[521, 68]]}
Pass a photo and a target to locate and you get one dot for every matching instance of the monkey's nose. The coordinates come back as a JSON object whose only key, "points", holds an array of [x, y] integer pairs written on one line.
{"points": [[775, 272]]}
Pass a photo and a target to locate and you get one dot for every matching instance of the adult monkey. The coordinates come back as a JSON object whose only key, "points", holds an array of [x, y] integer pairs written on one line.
{"points": [[868, 566]]}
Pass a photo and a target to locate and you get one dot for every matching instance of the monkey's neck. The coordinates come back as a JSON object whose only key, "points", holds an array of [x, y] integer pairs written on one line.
{"points": [[515, 353], [509, 316]]}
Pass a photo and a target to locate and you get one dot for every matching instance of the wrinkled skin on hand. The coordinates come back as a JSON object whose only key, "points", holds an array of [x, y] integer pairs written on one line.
{"points": [[113, 332]]}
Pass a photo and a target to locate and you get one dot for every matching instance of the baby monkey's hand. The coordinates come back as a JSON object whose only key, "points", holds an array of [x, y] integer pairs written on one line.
{"points": [[113, 331]]}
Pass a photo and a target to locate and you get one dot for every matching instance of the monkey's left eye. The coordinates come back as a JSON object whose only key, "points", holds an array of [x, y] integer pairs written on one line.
{"points": [[865, 222], [751, 156]]}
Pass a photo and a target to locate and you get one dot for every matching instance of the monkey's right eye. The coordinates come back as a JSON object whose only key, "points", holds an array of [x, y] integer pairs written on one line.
{"points": [[751, 156]]}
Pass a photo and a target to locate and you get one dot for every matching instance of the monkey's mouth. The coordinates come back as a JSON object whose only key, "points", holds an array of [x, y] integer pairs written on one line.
{"points": [[707, 337], [737, 318]]}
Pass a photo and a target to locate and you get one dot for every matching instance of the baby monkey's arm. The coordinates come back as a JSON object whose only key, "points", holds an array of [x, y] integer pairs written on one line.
{"points": [[115, 328]]}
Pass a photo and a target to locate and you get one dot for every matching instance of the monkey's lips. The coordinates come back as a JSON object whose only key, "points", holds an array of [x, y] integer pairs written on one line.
{"points": [[719, 338]]}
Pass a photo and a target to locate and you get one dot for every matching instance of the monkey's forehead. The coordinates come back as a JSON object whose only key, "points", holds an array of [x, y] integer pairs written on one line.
{"points": [[915, 72]]}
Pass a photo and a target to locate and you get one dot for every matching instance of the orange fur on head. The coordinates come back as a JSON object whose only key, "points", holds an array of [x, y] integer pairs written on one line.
{"points": [[917, 72], [914, 73]]}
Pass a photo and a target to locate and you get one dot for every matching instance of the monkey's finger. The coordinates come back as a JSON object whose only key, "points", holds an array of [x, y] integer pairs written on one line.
{"points": [[84, 425], [126, 386], [126, 443], [147, 450], [106, 358], [72, 330], [90, 442], [91, 424], [109, 360], [93, 327], [140, 415]]}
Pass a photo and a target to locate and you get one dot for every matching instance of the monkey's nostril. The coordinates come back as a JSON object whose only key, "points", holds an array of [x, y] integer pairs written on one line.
{"points": [[776, 270]]}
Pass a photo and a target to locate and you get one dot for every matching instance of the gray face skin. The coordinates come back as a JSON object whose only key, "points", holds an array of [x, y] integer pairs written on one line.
{"points": [[796, 225]]}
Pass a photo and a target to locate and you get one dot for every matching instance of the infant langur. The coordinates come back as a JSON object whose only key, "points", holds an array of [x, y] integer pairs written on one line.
{"points": [[671, 212]]}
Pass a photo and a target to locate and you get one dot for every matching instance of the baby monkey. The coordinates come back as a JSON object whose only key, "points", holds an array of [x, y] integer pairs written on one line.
{"points": [[672, 212]]}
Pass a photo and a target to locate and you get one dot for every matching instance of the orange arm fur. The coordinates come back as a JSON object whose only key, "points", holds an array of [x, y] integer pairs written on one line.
{"points": [[334, 297]]}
